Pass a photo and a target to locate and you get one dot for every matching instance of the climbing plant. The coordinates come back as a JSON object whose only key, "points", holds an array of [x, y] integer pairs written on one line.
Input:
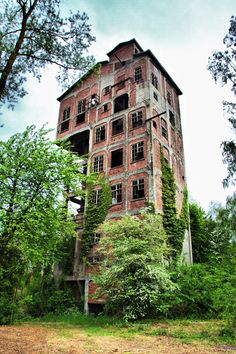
{"points": [[95, 214], [175, 227]]}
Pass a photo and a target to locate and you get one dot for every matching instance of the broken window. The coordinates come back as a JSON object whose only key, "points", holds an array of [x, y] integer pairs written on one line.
{"points": [[169, 98], [98, 163], [138, 74], [138, 151], [121, 102], [96, 237], [154, 124], [172, 118], [116, 193], [137, 119], [100, 133], [81, 111], [164, 131], [105, 107], [107, 90], [94, 259], [117, 126], [155, 95], [138, 188], [97, 197], [94, 100], [117, 158], [65, 119], [155, 81]]}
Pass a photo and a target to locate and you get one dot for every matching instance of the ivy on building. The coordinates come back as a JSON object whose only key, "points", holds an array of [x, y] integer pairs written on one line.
{"points": [[174, 226], [95, 214]]}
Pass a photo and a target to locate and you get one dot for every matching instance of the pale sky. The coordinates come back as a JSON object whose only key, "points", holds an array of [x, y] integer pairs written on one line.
{"points": [[182, 34]]}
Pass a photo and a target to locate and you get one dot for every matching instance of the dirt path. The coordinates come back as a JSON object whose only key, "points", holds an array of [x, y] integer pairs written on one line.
{"points": [[41, 340]]}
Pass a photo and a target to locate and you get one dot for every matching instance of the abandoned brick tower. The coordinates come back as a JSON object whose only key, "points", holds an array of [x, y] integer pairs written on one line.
{"points": [[121, 116]]}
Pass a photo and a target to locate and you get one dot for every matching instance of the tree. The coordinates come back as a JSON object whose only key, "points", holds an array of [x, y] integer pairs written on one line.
{"points": [[34, 172], [213, 232], [133, 275], [222, 65], [33, 35], [200, 225]]}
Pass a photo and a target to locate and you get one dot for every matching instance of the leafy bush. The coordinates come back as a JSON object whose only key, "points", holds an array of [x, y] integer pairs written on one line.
{"points": [[205, 291], [43, 295], [134, 275]]}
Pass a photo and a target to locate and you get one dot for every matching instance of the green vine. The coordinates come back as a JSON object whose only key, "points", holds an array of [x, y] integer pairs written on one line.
{"points": [[175, 227], [95, 214]]}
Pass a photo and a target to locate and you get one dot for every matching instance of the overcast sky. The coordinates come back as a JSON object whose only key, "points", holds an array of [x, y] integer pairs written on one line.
{"points": [[182, 34]]}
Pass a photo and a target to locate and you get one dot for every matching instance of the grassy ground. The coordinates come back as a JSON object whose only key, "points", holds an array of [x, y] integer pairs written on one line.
{"points": [[213, 332]]}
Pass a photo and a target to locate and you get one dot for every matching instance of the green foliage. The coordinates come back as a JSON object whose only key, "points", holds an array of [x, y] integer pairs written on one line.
{"points": [[206, 291], [175, 227], [95, 214], [200, 226], [43, 295], [134, 273], [33, 220], [33, 35], [213, 233], [222, 66]]}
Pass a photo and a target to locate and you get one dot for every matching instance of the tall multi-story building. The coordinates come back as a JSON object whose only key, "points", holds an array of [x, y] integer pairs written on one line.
{"points": [[121, 115]]}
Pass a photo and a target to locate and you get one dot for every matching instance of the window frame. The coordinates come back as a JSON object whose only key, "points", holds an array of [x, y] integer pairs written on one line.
{"points": [[138, 74], [98, 163], [136, 119], [97, 196], [137, 149], [112, 126], [164, 128], [138, 186], [100, 133], [116, 193]]}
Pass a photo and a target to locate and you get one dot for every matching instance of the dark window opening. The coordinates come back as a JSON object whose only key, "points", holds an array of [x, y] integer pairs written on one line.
{"points": [[121, 103], [81, 112], [166, 160], [172, 118], [94, 259], [164, 131], [155, 95], [169, 98], [65, 125], [105, 107], [100, 134], [154, 81], [107, 90], [80, 118], [98, 163], [97, 197], [116, 193], [154, 124], [80, 143], [117, 126], [96, 238], [65, 119], [137, 119], [138, 74], [138, 151], [138, 188], [117, 158]]}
